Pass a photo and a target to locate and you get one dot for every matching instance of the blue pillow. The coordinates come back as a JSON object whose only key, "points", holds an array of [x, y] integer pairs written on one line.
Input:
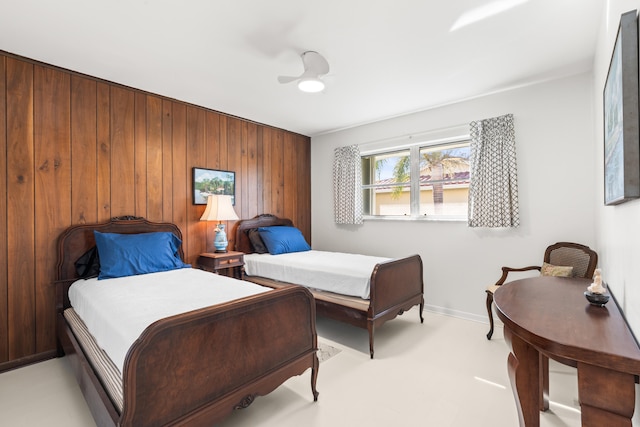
{"points": [[129, 254], [282, 240]]}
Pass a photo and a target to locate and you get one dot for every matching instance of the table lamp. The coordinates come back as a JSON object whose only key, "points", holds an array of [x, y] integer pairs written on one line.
{"points": [[219, 209]]}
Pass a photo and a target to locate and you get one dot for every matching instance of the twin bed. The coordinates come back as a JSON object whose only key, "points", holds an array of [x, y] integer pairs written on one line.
{"points": [[393, 286], [192, 368], [197, 364]]}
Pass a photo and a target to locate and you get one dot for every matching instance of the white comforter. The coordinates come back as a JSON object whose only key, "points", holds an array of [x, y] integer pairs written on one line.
{"points": [[117, 311], [346, 274]]}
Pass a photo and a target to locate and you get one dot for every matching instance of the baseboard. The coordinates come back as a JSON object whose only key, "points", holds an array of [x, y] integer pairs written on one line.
{"points": [[461, 314], [24, 361]]}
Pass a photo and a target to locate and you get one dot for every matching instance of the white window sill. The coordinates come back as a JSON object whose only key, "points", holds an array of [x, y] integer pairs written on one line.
{"points": [[413, 218]]}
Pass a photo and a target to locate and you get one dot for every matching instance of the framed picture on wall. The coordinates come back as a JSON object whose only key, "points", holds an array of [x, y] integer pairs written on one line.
{"points": [[620, 107], [212, 181]]}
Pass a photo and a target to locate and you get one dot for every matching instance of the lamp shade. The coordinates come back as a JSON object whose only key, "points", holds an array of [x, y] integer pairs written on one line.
{"points": [[219, 208]]}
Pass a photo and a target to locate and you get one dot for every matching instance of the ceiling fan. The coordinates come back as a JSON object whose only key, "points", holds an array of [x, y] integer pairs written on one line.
{"points": [[314, 66]]}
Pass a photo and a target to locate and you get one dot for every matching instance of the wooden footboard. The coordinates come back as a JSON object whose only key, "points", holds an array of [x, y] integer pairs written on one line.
{"points": [[195, 368], [396, 286]]}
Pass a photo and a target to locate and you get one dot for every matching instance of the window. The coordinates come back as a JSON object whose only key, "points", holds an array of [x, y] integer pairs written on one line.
{"points": [[423, 180]]}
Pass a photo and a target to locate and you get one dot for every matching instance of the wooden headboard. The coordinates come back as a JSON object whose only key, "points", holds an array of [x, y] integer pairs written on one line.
{"points": [[78, 239], [265, 220]]}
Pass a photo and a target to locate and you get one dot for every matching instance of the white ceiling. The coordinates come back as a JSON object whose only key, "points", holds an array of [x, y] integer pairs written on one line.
{"points": [[387, 58]]}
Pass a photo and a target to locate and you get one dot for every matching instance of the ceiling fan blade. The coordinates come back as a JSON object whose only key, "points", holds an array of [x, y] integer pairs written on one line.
{"points": [[314, 67], [315, 63], [287, 79]]}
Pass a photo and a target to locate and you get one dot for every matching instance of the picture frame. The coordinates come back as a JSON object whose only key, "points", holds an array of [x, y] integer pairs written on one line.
{"points": [[620, 111], [213, 181]]}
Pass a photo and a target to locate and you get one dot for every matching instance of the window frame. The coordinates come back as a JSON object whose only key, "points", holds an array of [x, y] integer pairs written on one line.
{"points": [[414, 184]]}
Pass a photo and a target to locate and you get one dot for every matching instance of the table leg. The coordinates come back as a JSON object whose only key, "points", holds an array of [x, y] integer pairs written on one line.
{"points": [[544, 382], [607, 398], [524, 373]]}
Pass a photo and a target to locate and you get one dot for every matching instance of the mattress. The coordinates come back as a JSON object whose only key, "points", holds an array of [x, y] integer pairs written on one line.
{"points": [[116, 311], [103, 366], [341, 273]]}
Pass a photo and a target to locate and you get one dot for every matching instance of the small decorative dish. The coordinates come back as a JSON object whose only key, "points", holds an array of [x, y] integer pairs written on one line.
{"points": [[596, 299]]}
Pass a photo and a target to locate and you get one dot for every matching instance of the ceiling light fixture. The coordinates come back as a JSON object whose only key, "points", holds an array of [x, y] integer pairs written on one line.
{"points": [[311, 85], [315, 66], [483, 12]]}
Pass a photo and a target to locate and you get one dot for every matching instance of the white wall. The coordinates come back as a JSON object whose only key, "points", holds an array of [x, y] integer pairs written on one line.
{"points": [[560, 157], [618, 227], [557, 185], [618, 236]]}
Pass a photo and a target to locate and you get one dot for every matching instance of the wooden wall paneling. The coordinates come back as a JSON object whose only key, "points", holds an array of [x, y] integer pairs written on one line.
{"points": [[122, 151], [181, 174], [234, 147], [234, 163], [103, 132], [196, 154], [4, 298], [79, 150], [268, 205], [84, 201], [223, 142], [154, 159], [20, 209], [290, 177], [277, 172], [303, 161], [243, 161], [52, 143], [167, 161], [212, 141], [260, 173], [250, 168], [140, 155]]}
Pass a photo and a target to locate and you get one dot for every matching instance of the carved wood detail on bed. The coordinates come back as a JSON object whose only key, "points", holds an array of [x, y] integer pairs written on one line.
{"points": [[197, 367], [396, 286]]}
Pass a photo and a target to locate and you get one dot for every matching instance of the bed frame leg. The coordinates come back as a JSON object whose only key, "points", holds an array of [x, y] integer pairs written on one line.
{"points": [[421, 309], [370, 328], [314, 378]]}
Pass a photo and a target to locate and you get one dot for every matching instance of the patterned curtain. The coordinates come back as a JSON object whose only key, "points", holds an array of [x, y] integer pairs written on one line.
{"points": [[493, 190], [347, 185]]}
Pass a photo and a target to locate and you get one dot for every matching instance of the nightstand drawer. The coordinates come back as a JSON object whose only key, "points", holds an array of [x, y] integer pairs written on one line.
{"points": [[229, 263], [235, 262]]}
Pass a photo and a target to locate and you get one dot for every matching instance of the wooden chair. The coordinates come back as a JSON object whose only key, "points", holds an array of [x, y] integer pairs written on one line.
{"points": [[582, 258]]}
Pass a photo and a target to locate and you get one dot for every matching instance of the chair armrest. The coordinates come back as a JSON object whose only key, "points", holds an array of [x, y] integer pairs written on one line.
{"points": [[507, 270]]}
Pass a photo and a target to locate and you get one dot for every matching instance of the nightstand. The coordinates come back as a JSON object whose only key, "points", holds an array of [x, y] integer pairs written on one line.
{"points": [[229, 263]]}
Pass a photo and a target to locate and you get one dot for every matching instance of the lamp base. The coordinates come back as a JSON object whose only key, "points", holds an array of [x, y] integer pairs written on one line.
{"points": [[220, 242]]}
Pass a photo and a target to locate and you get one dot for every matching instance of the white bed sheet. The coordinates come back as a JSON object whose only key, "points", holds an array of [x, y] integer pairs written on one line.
{"points": [[117, 311], [342, 273]]}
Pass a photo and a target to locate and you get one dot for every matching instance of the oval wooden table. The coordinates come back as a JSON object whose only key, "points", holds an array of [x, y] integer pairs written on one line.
{"points": [[549, 316]]}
